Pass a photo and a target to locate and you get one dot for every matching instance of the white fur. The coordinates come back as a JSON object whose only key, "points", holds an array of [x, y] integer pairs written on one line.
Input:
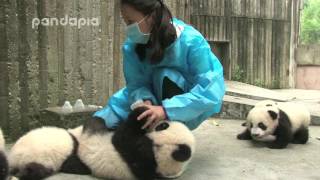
{"points": [[298, 114], [76, 132], [166, 142], [98, 152], [48, 146], [260, 114]]}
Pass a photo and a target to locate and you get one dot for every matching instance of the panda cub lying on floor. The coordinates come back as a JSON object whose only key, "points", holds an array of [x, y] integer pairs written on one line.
{"points": [[277, 123], [126, 153]]}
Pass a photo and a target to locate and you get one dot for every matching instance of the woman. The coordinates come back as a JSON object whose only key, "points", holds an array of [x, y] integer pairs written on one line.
{"points": [[168, 65]]}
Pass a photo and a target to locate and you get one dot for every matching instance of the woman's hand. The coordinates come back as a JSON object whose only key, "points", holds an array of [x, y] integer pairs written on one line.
{"points": [[154, 114]]}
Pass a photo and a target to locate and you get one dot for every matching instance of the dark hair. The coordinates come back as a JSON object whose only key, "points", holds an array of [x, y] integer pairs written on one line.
{"points": [[163, 32]]}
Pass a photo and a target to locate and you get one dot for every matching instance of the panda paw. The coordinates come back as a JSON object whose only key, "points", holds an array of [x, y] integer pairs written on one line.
{"points": [[277, 146], [245, 135]]}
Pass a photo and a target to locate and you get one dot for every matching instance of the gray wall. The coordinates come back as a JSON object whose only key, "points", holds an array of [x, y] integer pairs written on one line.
{"points": [[45, 66], [308, 55]]}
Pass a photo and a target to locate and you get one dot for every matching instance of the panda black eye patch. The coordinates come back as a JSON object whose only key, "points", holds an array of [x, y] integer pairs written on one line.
{"points": [[162, 127], [262, 126]]}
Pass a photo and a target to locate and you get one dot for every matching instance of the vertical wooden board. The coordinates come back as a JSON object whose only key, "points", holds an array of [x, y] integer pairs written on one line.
{"points": [[213, 28], [262, 45], [52, 55], [12, 107], [68, 40], [60, 6], [96, 51], [116, 48], [268, 53], [42, 56], [105, 62], [33, 65], [14, 100], [262, 8], [223, 30], [271, 9], [187, 11], [250, 59], [286, 55], [4, 96], [84, 64], [216, 28], [193, 8], [111, 31], [210, 7], [234, 45], [206, 7], [247, 10], [277, 46], [217, 8], [234, 5], [4, 59], [207, 27], [24, 57]]}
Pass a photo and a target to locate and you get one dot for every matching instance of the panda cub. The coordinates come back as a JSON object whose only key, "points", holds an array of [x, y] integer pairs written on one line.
{"points": [[129, 152], [277, 123]]}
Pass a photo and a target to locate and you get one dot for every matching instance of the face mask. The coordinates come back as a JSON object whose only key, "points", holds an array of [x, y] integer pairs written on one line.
{"points": [[134, 33]]}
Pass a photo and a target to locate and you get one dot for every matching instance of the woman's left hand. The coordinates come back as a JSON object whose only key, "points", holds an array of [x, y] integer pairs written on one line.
{"points": [[154, 114]]}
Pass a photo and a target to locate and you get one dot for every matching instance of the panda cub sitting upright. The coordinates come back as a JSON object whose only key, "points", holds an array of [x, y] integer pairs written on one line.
{"points": [[277, 123], [129, 152]]}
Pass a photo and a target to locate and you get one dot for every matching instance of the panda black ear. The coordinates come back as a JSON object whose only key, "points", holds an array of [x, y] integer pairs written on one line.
{"points": [[273, 114]]}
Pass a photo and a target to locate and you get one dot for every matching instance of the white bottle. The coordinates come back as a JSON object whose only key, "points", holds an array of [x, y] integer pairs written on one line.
{"points": [[78, 105], [67, 108]]}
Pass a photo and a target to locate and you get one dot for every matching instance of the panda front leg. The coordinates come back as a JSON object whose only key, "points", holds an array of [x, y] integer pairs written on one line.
{"points": [[245, 135], [283, 137]]}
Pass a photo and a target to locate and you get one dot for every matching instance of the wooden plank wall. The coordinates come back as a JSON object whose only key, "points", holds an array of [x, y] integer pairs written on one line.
{"points": [[259, 36], [44, 66], [47, 65]]}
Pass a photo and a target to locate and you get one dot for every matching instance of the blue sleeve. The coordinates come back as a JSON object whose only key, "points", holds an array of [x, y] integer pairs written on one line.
{"points": [[206, 95], [138, 82]]}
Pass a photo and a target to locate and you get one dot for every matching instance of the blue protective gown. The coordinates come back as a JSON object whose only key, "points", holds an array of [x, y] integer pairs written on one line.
{"points": [[190, 63]]}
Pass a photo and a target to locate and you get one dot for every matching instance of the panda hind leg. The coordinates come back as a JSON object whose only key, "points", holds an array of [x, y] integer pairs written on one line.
{"points": [[32, 171], [301, 136]]}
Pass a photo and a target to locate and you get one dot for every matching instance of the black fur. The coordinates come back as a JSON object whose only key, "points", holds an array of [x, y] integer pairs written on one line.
{"points": [[301, 136], [95, 125], [34, 171], [170, 89], [283, 132], [183, 153], [73, 163], [273, 115], [244, 124], [246, 135], [135, 148], [3, 166]]}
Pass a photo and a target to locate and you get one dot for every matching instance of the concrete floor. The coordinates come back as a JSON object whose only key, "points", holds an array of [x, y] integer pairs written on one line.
{"points": [[220, 155]]}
